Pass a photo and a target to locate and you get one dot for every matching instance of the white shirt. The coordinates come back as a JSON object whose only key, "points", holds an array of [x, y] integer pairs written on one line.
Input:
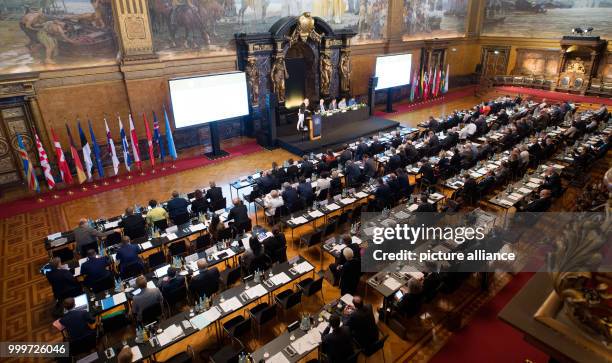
{"points": [[342, 104], [322, 184], [272, 203], [467, 131]]}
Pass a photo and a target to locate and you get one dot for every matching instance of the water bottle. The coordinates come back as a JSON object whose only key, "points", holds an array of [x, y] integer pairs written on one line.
{"points": [[118, 285]]}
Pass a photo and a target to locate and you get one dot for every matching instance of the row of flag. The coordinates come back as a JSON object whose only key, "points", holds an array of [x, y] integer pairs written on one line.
{"points": [[92, 153], [429, 84]]}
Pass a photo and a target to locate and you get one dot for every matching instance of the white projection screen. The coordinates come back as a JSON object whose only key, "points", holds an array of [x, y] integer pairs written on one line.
{"points": [[393, 70], [202, 99]]}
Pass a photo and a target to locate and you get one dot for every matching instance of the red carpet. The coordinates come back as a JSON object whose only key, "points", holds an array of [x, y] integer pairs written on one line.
{"points": [[75, 192], [450, 96], [487, 339], [556, 96]]}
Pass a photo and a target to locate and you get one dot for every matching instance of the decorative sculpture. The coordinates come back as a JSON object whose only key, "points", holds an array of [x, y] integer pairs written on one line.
{"points": [[278, 74], [326, 72], [305, 29], [253, 79], [345, 72]]}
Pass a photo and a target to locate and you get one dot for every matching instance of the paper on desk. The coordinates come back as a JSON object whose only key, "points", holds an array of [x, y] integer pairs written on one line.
{"points": [[392, 283], [119, 298], [197, 227], [171, 236], [136, 354], [347, 299], [82, 260], [111, 225], [316, 214], [303, 267], [299, 220], [229, 252], [278, 358], [347, 200], [231, 305], [169, 334], [361, 195], [436, 196], [333, 206], [401, 215], [535, 180], [355, 239], [413, 207], [524, 190], [506, 202], [415, 274], [256, 291], [307, 342], [77, 271], [532, 185], [280, 279], [89, 358], [53, 236], [146, 245]]}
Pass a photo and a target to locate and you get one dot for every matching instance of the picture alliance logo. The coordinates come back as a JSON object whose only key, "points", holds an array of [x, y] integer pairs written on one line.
{"points": [[414, 234]]}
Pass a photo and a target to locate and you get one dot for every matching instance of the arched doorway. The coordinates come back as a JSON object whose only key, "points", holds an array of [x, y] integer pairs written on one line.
{"points": [[301, 66]]}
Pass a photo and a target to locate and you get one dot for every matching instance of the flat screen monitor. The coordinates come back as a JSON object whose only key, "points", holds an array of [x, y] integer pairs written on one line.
{"points": [[203, 99], [393, 70]]}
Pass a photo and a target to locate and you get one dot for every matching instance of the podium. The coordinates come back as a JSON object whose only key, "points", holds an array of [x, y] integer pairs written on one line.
{"points": [[315, 126]]}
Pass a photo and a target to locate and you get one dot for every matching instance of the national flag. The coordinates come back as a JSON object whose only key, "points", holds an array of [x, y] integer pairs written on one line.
{"points": [[442, 81], [417, 89], [149, 140], [426, 87], [125, 146], [446, 78], [96, 150], [110, 144], [169, 138], [134, 139], [421, 84], [157, 137], [413, 86], [76, 158], [61, 160], [86, 151], [44, 162], [28, 168], [437, 80]]}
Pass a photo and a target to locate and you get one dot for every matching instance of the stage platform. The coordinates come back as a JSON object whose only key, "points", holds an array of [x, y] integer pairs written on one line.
{"points": [[289, 139]]}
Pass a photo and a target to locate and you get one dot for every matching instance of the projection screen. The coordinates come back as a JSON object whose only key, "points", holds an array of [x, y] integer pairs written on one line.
{"points": [[202, 99], [393, 70]]}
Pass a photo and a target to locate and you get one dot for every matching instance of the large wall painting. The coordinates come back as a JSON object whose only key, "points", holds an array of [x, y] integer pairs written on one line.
{"points": [[50, 34], [422, 19], [208, 26], [546, 19]]}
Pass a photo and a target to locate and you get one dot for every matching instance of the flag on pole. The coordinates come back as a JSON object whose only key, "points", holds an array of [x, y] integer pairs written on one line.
{"points": [[44, 162], [421, 84], [110, 144], [432, 77], [171, 147], [417, 88], [149, 140], [446, 78], [96, 150], [76, 158], [61, 160], [437, 86], [413, 86], [28, 168], [442, 80], [125, 146], [426, 87], [157, 137], [134, 139], [86, 151]]}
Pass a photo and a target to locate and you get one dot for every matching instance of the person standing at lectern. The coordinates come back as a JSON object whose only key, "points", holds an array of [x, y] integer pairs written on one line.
{"points": [[302, 114]]}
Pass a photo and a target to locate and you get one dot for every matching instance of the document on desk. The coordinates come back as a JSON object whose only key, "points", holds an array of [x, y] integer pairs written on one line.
{"points": [[316, 214], [171, 236], [228, 251], [401, 215], [303, 267], [256, 291], [278, 358], [356, 240], [136, 354], [524, 190], [280, 279], [119, 298], [203, 320], [169, 334], [536, 180], [392, 283], [89, 358], [347, 200], [506, 202], [347, 299], [299, 220], [307, 342], [231, 305], [333, 206], [413, 207], [53, 236], [436, 196], [197, 227], [361, 195], [111, 225], [146, 245], [77, 271], [532, 185]]}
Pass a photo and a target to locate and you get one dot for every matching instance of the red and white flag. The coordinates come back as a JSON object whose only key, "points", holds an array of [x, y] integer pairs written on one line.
{"points": [[61, 160], [149, 140], [134, 138], [110, 144], [44, 162]]}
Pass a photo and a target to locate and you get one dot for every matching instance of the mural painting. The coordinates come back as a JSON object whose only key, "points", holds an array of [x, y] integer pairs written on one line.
{"points": [[209, 25], [50, 34], [547, 18], [434, 18]]}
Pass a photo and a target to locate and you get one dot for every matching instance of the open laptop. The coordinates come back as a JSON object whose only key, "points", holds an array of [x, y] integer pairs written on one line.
{"points": [[81, 302]]}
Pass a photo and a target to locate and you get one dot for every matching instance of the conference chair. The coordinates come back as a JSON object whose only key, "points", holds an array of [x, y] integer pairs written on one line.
{"points": [[203, 242], [237, 327], [152, 313], [112, 323], [312, 239], [375, 347], [175, 296], [230, 276], [112, 239], [178, 248], [89, 246], [330, 228], [132, 269], [219, 204], [83, 345], [230, 353], [262, 314], [161, 225], [156, 259], [105, 283], [181, 219], [310, 287], [64, 253], [186, 356], [288, 299]]}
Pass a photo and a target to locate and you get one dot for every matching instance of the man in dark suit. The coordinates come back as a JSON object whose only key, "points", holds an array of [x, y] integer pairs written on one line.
{"points": [[291, 198], [206, 281], [369, 166], [336, 342], [306, 167], [396, 140], [376, 146], [395, 161], [361, 323], [470, 188], [346, 155], [127, 254], [452, 137], [411, 152], [552, 181], [362, 149], [353, 174], [305, 192], [383, 195], [481, 125], [239, 214], [487, 183], [62, 281], [265, 183], [177, 206], [424, 206], [292, 171], [79, 324], [433, 124], [171, 282], [427, 172], [502, 117], [134, 226], [214, 195], [542, 204], [95, 268]]}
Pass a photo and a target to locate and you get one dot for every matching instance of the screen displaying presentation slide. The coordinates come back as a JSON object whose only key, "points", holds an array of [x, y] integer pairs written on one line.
{"points": [[198, 100], [393, 70]]}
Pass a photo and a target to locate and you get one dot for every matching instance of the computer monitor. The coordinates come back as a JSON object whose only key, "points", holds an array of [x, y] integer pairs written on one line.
{"points": [[81, 302]]}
